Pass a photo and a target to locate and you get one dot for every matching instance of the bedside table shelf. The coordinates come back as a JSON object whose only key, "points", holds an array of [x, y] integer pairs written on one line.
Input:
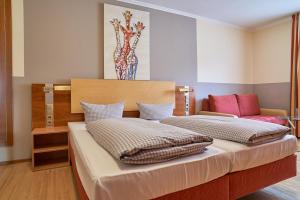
{"points": [[49, 130], [50, 148]]}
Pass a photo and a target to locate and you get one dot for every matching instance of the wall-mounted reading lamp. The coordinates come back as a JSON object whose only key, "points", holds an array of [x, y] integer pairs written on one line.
{"points": [[49, 88], [186, 91]]}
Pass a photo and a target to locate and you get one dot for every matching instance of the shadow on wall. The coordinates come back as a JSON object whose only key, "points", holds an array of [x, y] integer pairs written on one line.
{"points": [[274, 95]]}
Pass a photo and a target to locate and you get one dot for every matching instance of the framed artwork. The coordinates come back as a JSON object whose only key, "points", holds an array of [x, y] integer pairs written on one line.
{"points": [[126, 43]]}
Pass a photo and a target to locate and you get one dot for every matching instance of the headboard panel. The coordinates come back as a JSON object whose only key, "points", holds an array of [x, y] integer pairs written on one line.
{"points": [[101, 91], [62, 106]]}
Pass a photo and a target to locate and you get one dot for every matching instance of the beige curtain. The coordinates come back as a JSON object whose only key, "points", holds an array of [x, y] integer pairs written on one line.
{"points": [[294, 92]]}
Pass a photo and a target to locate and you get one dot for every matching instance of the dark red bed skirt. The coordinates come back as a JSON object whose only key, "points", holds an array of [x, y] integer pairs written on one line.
{"points": [[248, 181], [213, 190]]}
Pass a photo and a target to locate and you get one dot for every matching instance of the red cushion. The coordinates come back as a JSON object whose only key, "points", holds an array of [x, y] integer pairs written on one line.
{"points": [[267, 118], [205, 105], [248, 104], [224, 104]]}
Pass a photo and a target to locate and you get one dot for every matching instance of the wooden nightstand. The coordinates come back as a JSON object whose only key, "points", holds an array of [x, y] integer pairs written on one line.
{"points": [[50, 147]]}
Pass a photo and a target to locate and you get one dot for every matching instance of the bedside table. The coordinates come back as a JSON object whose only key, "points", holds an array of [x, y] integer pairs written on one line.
{"points": [[50, 147]]}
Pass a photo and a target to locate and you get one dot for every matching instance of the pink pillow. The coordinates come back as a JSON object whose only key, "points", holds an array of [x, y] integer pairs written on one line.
{"points": [[224, 104], [248, 104], [205, 105]]}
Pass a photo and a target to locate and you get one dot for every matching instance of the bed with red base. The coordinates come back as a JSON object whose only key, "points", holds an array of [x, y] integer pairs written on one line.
{"points": [[230, 186], [231, 181], [205, 191], [100, 176]]}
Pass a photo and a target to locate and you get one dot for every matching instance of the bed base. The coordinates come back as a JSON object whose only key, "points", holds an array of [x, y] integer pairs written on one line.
{"points": [[206, 191], [248, 181], [229, 187]]}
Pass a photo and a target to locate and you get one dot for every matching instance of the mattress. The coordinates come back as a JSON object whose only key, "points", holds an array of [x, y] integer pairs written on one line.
{"points": [[103, 177], [243, 157]]}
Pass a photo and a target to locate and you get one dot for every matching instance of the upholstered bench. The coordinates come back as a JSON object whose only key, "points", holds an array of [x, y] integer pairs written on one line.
{"points": [[243, 106]]}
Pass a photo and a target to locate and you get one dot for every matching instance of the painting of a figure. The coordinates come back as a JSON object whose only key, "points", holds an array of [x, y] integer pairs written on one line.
{"points": [[126, 43]]}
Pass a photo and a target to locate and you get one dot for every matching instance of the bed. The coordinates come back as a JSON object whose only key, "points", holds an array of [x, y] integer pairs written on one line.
{"points": [[104, 177], [225, 163], [243, 157], [252, 166], [187, 178], [256, 167]]}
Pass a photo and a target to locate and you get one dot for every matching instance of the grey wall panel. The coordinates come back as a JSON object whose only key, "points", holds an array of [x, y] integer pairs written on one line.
{"points": [[273, 95]]}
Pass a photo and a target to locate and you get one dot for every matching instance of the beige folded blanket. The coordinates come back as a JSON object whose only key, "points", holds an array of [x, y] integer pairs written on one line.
{"points": [[138, 141], [227, 128]]}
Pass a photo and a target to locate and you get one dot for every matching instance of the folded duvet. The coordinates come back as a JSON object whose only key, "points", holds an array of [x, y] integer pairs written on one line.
{"points": [[233, 129], [137, 141]]}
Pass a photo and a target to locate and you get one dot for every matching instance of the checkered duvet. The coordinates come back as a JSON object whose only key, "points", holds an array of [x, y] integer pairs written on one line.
{"points": [[138, 141], [246, 131]]}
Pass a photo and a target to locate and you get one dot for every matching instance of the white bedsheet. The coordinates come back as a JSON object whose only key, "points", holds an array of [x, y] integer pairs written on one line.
{"points": [[245, 157], [103, 177]]}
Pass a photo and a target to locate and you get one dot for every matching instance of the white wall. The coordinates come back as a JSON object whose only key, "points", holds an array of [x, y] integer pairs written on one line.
{"points": [[224, 53], [271, 50], [18, 38]]}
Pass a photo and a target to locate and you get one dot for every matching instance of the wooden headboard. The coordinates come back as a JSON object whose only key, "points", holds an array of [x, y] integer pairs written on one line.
{"points": [[101, 91], [62, 106]]}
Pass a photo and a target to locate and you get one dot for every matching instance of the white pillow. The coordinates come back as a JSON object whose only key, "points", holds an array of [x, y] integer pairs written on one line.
{"points": [[155, 111], [93, 112]]}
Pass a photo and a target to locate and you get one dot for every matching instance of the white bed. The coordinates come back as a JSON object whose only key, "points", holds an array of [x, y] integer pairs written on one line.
{"points": [[103, 177], [244, 157]]}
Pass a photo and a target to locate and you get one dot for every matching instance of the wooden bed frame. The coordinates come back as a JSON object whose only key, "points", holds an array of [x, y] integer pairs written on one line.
{"points": [[229, 187]]}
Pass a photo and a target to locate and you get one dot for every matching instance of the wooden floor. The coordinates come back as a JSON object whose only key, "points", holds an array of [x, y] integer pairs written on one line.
{"points": [[17, 181]]}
